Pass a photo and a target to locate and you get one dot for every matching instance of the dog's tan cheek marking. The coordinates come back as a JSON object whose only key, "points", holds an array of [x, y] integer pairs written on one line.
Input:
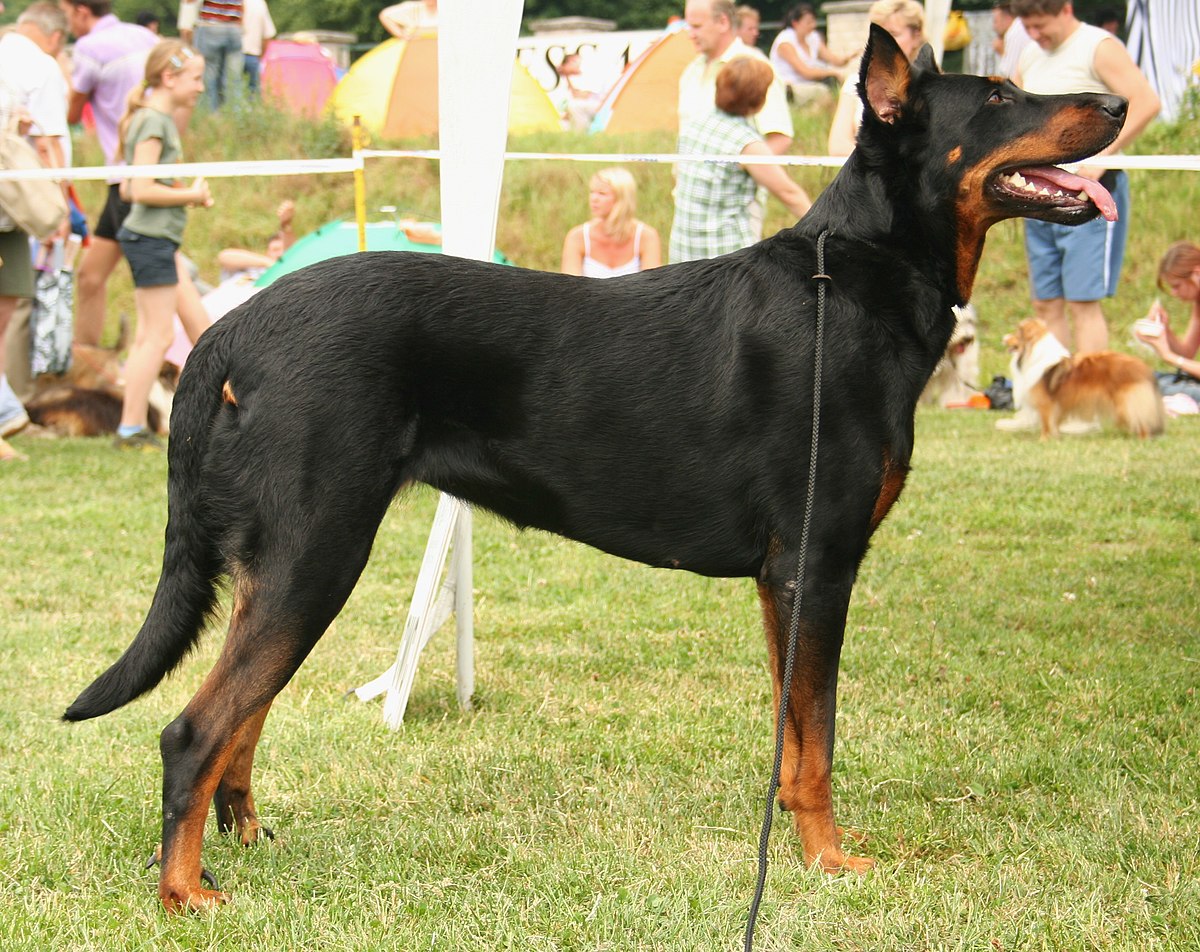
{"points": [[227, 394]]}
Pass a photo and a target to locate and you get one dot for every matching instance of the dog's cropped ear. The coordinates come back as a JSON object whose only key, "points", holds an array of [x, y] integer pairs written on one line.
{"points": [[884, 77], [925, 59]]}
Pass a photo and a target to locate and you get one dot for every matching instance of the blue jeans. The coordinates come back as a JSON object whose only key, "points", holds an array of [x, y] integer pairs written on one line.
{"points": [[221, 46], [252, 66], [1168, 383]]}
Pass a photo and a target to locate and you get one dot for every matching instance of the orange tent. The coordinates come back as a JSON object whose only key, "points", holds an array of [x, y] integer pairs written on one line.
{"points": [[647, 94], [394, 87]]}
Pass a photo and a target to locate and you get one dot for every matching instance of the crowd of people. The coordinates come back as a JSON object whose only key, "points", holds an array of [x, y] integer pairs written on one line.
{"points": [[734, 99]]}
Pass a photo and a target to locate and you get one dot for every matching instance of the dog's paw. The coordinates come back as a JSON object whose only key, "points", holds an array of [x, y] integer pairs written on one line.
{"points": [[834, 861], [192, 900]]}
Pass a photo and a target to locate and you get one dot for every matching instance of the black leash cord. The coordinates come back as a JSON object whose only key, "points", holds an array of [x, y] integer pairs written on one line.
{"points": [[797, 593]]}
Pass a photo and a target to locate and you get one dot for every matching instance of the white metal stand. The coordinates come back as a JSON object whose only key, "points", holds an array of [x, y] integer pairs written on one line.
{"points": [[431, 607], [473, 132]]}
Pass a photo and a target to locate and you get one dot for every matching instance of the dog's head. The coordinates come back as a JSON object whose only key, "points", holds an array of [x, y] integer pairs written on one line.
{"points": [[994, 145], [960, 153], [963, 335], [1021, 341]]}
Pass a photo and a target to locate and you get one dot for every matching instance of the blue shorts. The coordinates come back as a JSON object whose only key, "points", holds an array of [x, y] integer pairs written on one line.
{"points": [[152, 260], [1079, 262]]}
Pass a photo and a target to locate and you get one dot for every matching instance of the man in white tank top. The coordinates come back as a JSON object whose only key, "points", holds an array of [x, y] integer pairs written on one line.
{"points": [[1073, 268]]}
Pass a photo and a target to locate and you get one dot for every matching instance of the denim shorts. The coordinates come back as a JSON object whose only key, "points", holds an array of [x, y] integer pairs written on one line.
{"points": [[1079, 262], [152, 260]]}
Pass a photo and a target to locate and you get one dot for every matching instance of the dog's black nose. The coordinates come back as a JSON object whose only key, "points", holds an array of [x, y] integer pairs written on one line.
{"points": [[1115, 106]]}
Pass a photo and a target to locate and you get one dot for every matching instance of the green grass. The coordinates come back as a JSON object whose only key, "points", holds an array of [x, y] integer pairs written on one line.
{"points": [[1019, 726], [1018, 734]]}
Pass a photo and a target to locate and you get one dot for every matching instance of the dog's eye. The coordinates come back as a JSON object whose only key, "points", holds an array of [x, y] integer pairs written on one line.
{"points": [[996, 97]]}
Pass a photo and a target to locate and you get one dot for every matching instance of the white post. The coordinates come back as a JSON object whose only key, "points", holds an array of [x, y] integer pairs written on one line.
{"points": [[477, 44], [937, 12]]}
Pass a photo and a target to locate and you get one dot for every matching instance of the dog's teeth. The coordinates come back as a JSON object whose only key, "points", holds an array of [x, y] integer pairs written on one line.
{"points": [[1030, 187], [1082, 196], [1017, 179], [1044, 191]]}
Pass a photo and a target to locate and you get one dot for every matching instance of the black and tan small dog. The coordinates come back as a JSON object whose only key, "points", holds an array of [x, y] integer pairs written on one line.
{"points": [[665, 417]]}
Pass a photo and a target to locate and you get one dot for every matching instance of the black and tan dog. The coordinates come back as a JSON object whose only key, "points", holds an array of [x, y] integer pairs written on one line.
{"points": [[664, 417]]}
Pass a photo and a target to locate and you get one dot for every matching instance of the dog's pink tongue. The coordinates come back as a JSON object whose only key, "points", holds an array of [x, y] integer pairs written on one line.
{"points": [[1077, 183]]}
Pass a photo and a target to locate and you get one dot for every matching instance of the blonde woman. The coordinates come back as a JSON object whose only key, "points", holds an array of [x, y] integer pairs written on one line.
{"points": [[905, 20], [614, 241]]}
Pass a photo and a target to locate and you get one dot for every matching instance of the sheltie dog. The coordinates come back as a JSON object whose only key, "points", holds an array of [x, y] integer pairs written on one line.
{"points": [[1087, 387]]}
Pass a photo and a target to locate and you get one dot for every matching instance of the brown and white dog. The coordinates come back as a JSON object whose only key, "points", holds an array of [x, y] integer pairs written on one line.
{"points": [[1087, 387], [86, 400]]}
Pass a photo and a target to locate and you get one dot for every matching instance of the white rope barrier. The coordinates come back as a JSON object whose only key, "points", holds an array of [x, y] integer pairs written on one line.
{"points": [[1164, 163], [1158, 163], [191, 170], [662, 158]]}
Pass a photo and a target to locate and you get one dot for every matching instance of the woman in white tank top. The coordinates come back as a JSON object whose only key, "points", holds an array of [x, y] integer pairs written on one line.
{"points": [[613, 242]]}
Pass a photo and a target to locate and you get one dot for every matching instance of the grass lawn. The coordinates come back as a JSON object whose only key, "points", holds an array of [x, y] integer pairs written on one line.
{"points": [[1018, 740]]}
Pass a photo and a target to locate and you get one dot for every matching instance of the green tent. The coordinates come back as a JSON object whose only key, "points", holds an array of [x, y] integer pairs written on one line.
{"points": [[341, 238]]}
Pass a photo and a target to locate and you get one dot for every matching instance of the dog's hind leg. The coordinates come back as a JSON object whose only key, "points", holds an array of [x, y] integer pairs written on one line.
{"points": [[805, 783], [234, 802], [284, 599]]}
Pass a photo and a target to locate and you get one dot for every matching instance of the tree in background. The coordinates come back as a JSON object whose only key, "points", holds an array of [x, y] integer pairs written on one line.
{"points": [[628, 14]]}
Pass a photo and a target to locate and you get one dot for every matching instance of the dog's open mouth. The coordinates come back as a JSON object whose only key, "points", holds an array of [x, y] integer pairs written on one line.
{"points": [[1050, 186]]}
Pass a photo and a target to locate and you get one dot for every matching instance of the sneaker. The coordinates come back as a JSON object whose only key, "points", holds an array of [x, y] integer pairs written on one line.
{"points": [[142, 440], [14, 424]]}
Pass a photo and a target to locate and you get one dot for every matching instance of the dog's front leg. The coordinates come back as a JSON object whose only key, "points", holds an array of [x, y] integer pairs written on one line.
{"points": [[805, 779]]}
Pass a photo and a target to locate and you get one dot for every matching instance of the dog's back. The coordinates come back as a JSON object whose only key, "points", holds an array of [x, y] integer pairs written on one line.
{"points": [[1105, 384]]}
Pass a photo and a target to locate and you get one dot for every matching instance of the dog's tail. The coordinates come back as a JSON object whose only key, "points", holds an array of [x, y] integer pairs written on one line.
{"points": [[192, 565], [1140, 409]]}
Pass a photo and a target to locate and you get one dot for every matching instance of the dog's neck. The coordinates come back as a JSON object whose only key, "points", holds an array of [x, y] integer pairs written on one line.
{"points": [[1030, 363], [864, 204]]}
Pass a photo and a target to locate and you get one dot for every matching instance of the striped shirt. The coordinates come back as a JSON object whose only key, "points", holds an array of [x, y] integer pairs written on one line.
{"points": [[712, 199], [221, 11]]}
